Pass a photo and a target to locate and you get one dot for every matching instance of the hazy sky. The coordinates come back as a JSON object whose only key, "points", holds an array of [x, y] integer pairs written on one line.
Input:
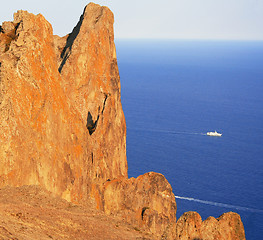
{"points": [[176, 19]]}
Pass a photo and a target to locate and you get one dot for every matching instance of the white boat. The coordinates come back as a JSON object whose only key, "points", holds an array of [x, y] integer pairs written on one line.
{"points": [[214, 134]]}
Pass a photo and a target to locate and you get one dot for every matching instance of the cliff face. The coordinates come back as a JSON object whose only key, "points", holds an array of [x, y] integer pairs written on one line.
{"points": [[88, 67], [61, 121], [62, 124]]}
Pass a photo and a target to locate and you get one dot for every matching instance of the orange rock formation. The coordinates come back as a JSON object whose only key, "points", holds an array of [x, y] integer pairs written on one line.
{"points": [[62, 126], [191, 226]]}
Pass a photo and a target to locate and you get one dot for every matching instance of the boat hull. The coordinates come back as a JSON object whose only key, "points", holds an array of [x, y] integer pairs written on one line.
{"points": [[214, 134]]}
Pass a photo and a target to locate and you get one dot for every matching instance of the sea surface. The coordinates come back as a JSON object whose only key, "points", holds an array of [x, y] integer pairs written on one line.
{"points": [[173, 92]]}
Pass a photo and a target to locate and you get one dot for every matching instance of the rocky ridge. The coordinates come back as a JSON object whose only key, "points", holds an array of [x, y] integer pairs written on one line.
{"points": [[62, 126]]}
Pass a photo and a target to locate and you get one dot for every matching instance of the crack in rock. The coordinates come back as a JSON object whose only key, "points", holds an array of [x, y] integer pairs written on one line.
{"points": [[91, 124]]}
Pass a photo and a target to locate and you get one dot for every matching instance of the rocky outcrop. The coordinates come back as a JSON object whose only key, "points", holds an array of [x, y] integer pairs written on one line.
{"points": [[147, 201], [227, 226], [190, 226], [62, 126]]}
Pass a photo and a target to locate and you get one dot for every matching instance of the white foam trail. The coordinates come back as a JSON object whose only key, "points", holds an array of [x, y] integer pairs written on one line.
{"points": [[217, 204], [165, 131]]}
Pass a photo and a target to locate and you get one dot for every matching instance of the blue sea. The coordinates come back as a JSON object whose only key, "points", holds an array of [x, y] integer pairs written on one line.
{"points": [[173, 92]]}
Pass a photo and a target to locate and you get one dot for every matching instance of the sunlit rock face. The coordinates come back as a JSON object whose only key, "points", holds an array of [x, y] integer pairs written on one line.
{"points": [[190, 226], [146, 201], [62, 124], [87, 63]]}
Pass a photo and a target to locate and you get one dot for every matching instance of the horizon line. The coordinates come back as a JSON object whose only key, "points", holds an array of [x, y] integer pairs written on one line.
{"points": [[189, 39]]}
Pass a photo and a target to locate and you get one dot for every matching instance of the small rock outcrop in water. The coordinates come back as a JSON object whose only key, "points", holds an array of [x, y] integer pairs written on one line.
{"points": [[62, 126]]}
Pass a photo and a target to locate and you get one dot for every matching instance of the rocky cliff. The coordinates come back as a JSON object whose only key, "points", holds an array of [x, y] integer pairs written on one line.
{"points": [[62, 126]]}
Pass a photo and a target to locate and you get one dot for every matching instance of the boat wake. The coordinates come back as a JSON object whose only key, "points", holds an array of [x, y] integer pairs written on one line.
{"points": [[224, 205], [165, 131]]}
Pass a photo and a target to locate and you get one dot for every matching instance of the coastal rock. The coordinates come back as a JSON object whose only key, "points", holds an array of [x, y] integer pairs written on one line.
{"points": [[190, 226], [90, 79], [62, 124], [146, 201], [88, 66], [227, 226]]}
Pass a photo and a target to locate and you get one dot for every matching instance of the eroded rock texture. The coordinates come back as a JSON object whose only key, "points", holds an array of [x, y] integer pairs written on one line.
{"points": [[190, 226], [62, 126], [147, 201]]}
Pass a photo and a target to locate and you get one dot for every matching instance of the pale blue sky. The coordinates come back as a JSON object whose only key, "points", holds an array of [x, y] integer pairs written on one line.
{"points": [[173, 19]]}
